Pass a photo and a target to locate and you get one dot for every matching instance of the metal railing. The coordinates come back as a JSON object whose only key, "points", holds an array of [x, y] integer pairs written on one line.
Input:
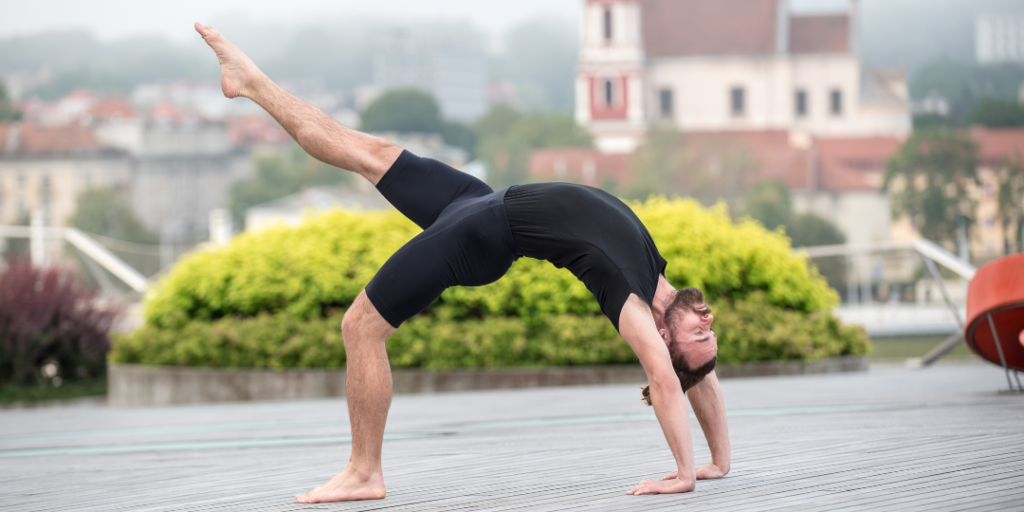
{"points": [[84, 243], [931, 254]]}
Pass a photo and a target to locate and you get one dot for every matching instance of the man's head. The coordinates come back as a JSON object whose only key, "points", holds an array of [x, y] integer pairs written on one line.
{"points": [[692, 344]]}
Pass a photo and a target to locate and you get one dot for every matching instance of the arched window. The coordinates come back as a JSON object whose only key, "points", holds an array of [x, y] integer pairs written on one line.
{"points": [[607, 24]]}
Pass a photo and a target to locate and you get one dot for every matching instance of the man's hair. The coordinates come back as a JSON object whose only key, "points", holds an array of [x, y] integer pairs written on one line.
{"points": [[685, 300]]}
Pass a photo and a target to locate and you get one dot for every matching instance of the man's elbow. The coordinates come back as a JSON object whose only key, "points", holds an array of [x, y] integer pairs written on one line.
{"points": [[665, 384]]}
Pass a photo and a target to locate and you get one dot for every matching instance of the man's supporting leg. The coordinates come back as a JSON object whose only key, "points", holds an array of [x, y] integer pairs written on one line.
{"points": [[368, 387]]}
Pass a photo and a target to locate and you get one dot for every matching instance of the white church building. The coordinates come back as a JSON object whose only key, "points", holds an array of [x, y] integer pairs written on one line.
{"points": [[729, 65]]}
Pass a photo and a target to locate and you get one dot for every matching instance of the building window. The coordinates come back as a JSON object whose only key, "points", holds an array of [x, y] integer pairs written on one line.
{"points": [[609, 93], [21, 181], [836, 102], [737, 98], [801, 103], [608, 24], [665, 103], [44, 185]]}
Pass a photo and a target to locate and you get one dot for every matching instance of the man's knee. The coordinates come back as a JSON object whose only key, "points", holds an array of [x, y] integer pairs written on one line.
{"points": [[362, 323]]}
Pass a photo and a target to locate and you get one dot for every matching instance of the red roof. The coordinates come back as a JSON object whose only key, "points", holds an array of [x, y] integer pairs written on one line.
{"points": [[166, 111], [708, 27], [819, 34], [587, 166], [853, 163], [30, 138], [256, 129], [995, 145], [112, 108], [771, 153], [835, 164]]}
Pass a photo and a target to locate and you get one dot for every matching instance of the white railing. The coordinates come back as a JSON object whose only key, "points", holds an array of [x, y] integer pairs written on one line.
{"points": [[84, 243], [931, 254]]}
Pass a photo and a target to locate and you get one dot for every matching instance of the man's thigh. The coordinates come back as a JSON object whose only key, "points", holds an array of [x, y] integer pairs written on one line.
{"points": [[421, 188]]}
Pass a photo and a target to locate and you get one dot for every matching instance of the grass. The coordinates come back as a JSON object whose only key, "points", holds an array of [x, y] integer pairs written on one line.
{"points": [[913, 346], [32, 393]]}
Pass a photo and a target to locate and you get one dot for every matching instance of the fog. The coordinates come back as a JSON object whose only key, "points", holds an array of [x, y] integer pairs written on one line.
{"points": [[115, 19]]}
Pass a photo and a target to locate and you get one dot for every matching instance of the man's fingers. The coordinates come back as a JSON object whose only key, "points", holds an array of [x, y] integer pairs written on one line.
{"points": [[643, 488], [671, 475]]}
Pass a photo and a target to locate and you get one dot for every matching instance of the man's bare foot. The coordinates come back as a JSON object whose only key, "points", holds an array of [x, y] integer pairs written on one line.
{"points": [[348, 486], [238, 72]]}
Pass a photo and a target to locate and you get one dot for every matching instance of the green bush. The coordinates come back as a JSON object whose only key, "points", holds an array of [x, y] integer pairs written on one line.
{"points": [[282, 341], [749, 330], [272, 299]]}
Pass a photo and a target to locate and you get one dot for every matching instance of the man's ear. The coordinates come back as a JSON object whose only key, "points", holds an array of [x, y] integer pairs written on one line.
{"points": [[664, 335]]}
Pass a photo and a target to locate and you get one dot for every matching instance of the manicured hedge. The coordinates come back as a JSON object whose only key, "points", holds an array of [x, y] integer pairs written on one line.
{"points": [[272, 299], [748, 330]]}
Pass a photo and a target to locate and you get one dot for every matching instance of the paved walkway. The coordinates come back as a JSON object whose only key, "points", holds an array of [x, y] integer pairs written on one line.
{"points": [[890, 439]]}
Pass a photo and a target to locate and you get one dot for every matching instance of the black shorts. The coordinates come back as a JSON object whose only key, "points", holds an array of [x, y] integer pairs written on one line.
{"points": [[466, 240]]}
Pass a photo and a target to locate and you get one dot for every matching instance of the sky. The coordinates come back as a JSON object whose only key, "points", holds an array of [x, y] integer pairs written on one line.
{"points": [[117, 19]]}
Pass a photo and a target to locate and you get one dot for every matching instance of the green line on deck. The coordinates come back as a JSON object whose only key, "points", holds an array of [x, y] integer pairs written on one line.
{"points": [[618, 418], [194, 445]]}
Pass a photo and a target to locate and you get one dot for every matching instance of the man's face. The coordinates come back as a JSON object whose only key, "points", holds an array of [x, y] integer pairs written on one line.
{"points": [[691, 332]]}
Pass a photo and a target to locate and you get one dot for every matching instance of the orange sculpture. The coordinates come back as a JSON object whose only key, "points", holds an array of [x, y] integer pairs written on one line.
{"points": [[995, 311]]}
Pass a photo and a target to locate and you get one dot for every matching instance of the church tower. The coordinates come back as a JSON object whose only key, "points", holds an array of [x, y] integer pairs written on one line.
{"points": [[610, 75]]}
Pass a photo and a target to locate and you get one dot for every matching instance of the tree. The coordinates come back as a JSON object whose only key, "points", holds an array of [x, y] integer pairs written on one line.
{"points": [[106, 212], [998, 112], [413, 110], [707, 168], [403, 110], [769, 202], [507, 136], [928, 181], [279, 176], [1011, 199], [7, 112]]}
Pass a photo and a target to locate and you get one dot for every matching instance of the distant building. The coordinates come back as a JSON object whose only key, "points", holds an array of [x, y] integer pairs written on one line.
{"points": [[174, 167], [999, 38], [46, 167], [291, 210], [836, 178], [720, 65], [456, 79], [932, 103]]}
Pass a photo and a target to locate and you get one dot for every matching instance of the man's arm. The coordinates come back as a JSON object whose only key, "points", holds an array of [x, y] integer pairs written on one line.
{"points": [[636, 324], [709, 406], [318, 133]]}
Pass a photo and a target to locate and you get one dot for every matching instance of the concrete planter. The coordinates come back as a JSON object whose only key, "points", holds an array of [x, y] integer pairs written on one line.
{"points": [[133, 385]]}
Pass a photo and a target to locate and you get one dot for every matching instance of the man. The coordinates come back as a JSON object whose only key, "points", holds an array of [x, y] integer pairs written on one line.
{"points": [[471, 236]]}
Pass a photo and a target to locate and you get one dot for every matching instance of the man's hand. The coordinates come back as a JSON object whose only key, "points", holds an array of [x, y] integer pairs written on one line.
{"points": [[709, 472], [666, 486]]}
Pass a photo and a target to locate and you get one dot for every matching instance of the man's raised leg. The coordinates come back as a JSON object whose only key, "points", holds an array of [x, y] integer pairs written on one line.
{"points": [[318, 133], [368, 387]]}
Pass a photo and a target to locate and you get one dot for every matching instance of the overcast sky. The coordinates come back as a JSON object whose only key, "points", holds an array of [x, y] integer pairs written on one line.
{"points": [[115, 19]]}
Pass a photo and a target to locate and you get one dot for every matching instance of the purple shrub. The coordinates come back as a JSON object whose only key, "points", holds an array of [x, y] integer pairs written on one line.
{"points": [[50, 317]]}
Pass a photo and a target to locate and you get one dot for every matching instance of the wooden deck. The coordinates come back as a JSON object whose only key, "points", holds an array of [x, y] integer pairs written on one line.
{"points": [[890, 439]]}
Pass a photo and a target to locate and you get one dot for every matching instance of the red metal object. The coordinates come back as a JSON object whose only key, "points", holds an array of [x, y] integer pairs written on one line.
{"points": [[997, 291]]}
